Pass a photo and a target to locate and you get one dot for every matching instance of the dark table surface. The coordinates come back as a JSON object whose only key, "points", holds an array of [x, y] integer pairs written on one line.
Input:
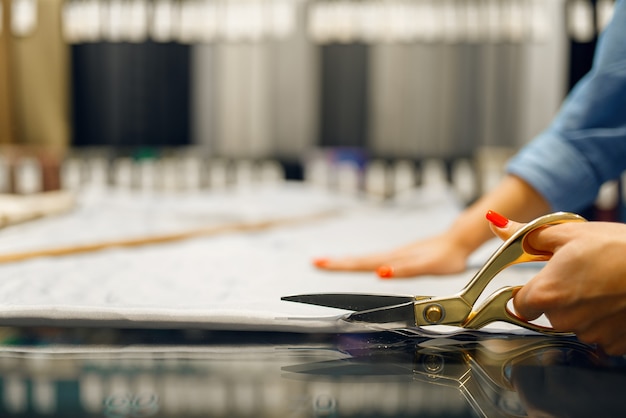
{"points": [[62, 372]]}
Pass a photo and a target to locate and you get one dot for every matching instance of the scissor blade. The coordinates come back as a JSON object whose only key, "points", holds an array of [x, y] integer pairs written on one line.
{"points": [[368, 366], [404, 312], [350, 301]]}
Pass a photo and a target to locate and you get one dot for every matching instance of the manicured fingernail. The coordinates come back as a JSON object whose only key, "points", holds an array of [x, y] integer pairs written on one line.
{"points": [[496, 219], [384, 272], [321, 262]]}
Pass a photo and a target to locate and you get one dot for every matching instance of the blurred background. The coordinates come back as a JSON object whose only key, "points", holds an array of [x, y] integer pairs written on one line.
{"points": [[372, 95]]}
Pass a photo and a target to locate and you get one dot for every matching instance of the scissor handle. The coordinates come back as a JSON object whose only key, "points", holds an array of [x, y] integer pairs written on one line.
{"points": [[513, 251], [496, 309]]}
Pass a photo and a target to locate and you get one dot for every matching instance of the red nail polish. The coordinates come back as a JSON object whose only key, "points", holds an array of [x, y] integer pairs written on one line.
{"points": [[496, 219], [321, 262], [385, 272]]}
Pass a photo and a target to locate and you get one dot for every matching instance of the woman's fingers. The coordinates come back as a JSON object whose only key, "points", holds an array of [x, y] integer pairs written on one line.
{"points": [[412, 266], [502, 227], [360, 263], [437, 256], [396, 266]]}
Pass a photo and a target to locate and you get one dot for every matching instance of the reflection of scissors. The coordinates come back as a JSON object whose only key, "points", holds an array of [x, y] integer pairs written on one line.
{"points": [[484, 370], [458, 309]]}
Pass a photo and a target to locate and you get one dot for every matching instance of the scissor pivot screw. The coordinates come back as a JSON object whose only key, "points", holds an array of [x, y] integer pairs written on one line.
{"points": [[433, 364], [434, 313]]}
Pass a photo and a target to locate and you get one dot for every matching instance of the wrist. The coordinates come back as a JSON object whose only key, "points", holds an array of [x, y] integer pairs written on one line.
{"points": [[469, 232]]}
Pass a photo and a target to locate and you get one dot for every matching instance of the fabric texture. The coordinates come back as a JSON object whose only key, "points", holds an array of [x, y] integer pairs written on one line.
{"points": [[228, 281]]}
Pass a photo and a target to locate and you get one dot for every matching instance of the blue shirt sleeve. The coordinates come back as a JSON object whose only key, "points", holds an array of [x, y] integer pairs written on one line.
{"points": [[585, 145]]}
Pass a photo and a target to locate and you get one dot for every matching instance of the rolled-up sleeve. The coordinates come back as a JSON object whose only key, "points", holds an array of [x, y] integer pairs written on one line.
{"points": [[585, 145]]}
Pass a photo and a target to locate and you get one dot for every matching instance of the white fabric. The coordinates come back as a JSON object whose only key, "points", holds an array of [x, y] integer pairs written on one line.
{"points": [[231, 281]]}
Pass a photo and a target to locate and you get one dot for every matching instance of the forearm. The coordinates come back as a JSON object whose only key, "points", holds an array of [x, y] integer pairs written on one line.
{"points": [[512, 197]]}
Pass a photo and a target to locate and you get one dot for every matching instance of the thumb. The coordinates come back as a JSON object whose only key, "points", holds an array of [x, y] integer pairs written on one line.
{"points": [[525, 304], [502, 227]]}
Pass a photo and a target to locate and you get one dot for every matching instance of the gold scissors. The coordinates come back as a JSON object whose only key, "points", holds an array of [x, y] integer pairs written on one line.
{"points": [[458, 309]]}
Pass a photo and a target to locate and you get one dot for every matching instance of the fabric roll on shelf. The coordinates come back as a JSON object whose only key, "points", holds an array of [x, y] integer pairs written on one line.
{"points": [[437, 99], [420, 95], [254, 89], [401, 102], [6, 83], [131, 94], [466, 99], [344, 94], [496, 94], [242, 97], [295, 89], [454, 116], [549, 45], [34, 92], [581, 31], [387, 110], [204, 103], [40, 62]]}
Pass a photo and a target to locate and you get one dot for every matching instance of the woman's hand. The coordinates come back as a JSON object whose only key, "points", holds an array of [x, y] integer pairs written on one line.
{"points": [[440, 254], [582, 288], [448, 252]]}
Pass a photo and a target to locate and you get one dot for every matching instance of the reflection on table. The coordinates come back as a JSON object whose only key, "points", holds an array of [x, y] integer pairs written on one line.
{"points": [[173, 373]]}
